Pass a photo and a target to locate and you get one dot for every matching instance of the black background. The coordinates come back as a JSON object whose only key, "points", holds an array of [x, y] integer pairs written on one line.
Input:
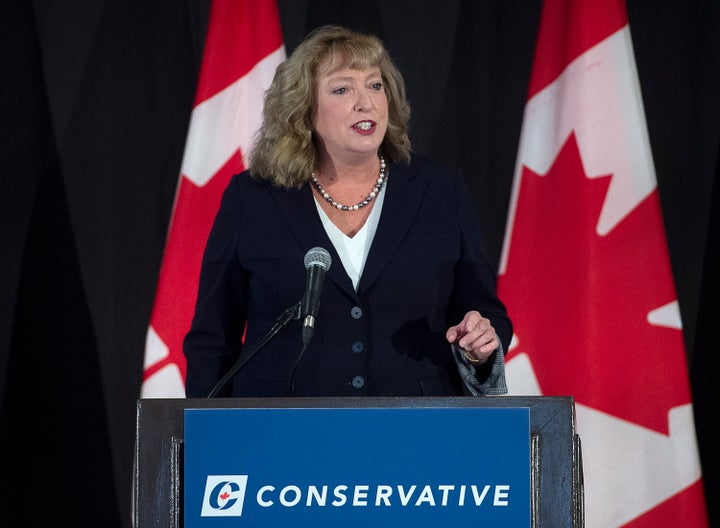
{"points": [[96, 97]]}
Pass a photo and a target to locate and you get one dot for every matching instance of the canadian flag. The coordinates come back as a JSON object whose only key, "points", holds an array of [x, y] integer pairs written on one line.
{"points": [[586, 275], [243, 47]]}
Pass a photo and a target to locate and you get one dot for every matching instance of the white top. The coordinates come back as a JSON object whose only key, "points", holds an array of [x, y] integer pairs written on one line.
{"points": [[353, 250]]}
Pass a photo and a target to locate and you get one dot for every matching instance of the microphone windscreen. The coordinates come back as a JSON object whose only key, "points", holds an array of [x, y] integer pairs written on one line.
{"points": [[318, 256]]}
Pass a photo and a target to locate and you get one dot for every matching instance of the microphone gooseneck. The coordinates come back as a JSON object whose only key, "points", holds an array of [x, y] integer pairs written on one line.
{"points": [[289, 314]]}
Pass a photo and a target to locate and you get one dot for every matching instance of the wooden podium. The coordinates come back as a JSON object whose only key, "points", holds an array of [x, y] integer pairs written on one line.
{"points": [[556, 476]]}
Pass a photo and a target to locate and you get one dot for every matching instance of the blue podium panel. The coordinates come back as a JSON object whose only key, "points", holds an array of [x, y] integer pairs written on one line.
{"points": [[358, 467]]}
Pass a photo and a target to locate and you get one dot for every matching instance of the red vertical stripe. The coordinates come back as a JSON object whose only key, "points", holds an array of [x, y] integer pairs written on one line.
{"points": [[567, 29]]}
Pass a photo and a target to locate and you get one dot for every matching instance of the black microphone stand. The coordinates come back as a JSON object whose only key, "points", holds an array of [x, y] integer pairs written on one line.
{"points": [[288, 315]]}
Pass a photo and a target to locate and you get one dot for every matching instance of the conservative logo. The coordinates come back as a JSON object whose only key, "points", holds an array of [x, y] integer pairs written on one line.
{"points": [[224, 495]]}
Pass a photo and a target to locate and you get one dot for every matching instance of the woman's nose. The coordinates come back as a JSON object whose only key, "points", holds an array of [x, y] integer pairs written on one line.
{"points": [[363, 102]]}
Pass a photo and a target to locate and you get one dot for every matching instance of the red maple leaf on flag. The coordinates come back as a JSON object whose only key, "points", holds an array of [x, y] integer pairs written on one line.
{"points": [[586, 327], [586, 275]]}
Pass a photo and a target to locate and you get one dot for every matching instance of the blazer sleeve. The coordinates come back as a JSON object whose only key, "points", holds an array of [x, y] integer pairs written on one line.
{"points": [[214, 340]]}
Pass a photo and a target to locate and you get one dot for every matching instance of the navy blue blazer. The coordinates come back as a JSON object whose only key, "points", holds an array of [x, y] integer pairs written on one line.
{"points": [[426, 268]]}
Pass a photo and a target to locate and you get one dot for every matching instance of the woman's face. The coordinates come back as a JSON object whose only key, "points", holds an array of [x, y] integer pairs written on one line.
{"points": [[350, 114]]}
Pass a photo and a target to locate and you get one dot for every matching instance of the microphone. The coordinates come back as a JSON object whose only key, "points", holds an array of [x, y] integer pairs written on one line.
{"points": [[317, 262]]}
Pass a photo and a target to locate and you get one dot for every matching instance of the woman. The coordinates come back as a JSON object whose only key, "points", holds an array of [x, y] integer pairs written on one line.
{"points": [[408, 307]]}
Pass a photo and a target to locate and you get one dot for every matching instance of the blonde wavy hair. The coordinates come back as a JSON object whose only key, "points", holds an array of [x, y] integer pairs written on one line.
{"points": [[284, 152]]}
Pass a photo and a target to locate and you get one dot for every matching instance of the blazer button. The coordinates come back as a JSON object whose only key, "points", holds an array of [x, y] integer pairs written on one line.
{"points": [[358, 382], [358, 347], [356, 312]]}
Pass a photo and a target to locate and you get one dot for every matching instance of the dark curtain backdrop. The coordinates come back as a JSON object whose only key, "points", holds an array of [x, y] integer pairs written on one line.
{"points": [[96, 97]]}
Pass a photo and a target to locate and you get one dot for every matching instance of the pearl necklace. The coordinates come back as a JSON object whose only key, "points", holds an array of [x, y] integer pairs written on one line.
{"points": [[373, 193]]}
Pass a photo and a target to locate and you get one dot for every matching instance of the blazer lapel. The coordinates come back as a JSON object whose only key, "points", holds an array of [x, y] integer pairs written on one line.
{"points": [[299, 212], [403, 195]]}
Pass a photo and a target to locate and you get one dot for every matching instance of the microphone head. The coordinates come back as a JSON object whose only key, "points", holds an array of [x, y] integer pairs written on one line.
{"points": [[318, 256]]}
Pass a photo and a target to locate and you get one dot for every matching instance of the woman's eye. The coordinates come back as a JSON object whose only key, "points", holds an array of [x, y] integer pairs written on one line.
{"points": [[377, 86], [340, 90]]}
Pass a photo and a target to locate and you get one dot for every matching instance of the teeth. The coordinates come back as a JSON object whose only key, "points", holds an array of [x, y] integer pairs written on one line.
{"points": [[364, 125]]}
